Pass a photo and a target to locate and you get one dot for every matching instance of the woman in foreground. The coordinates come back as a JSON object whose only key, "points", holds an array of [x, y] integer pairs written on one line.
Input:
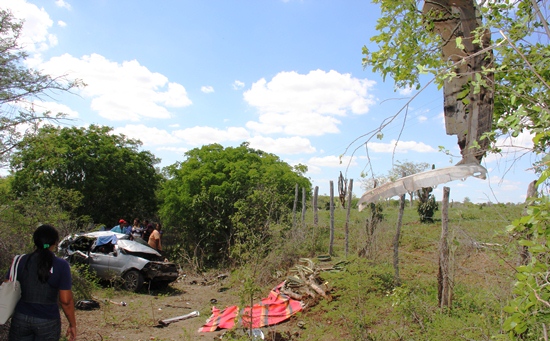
{"points": [[45, 280]]}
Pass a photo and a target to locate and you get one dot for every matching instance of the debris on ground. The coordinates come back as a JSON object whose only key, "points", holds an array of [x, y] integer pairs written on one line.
{"points": [[87, 305], [301, 288], [165, 322], [275, 308], [305, 281]]}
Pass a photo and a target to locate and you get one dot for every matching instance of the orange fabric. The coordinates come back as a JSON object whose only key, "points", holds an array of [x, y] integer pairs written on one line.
{"points": [[274, 309], [223, 319]]}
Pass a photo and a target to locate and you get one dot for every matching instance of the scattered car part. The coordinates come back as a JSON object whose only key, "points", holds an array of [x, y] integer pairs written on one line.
{"points": [[165, 322]]}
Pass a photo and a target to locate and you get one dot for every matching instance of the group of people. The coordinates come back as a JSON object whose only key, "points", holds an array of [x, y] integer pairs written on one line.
{"points": [[145, 233]]}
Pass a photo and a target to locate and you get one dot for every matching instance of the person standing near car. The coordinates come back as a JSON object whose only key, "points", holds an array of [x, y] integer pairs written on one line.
{"points": [[154, 238], [147, 233], [137, 229], [45, 280], [122, 227]]}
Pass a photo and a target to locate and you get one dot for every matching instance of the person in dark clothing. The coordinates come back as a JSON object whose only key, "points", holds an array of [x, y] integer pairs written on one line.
{"points": [[148, 232], [45, 280]]}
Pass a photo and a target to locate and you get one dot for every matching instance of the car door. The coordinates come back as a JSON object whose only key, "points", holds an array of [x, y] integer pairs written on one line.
{"points": [[119, 262], [99, 262]]}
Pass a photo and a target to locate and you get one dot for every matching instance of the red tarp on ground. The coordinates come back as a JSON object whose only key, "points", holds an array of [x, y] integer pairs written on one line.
{"points": [[274, 309]]}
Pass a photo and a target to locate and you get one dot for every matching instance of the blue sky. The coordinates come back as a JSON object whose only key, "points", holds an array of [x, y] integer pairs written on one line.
{"points": [[284, 75]]}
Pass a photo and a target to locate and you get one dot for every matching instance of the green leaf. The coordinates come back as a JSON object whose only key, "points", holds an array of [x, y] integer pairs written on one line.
{"points": [[459, 44]]}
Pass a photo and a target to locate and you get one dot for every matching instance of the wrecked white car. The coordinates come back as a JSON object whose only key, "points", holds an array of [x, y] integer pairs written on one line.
{"points": [[113, 256]]}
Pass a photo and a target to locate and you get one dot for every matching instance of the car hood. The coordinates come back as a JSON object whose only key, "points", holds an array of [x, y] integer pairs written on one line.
{"points": [[132, 246]]}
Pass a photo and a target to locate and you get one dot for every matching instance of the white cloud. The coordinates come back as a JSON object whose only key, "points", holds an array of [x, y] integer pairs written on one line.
{"points": [[301, 124], [207, 89], [150, 136], [52, 39], [61, 23], [333, 161], [63, 4], [307, 104], [405, 91], [55, 108], [34, 35], [179, 150], [421, 118], [127, 91], [237, 85], [503, 187], [441, 118], [511, 147], [40, 107], [198, 136], [291, 145], [402, 147], [313, 169], [505, 184]]}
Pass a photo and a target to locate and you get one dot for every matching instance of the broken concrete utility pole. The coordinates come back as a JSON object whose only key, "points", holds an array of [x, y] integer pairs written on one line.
{"points": [[468, 96]]}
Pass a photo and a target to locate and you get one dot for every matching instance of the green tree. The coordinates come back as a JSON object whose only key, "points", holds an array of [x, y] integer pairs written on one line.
{"points": [[18, 85], [426, 205], [529, 311], [113, 177], [205, 196]]}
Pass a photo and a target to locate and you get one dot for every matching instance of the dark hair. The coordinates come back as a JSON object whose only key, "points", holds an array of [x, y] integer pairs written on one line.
{"points": [[44, 237]]}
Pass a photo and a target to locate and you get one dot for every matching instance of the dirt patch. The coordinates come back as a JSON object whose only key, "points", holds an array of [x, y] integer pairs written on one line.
{"points": [[139, 318]]}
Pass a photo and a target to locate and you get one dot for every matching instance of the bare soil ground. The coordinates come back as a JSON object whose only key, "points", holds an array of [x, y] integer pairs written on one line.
{"points": [[139, 319]]}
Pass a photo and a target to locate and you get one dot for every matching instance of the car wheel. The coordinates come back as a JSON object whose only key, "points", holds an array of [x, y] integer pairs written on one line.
{"points": [[132, 280]]}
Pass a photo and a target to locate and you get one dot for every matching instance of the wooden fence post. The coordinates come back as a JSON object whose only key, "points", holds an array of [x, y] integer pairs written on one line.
{"points": [[294, 207], [396, 279], [331, 241], [303, 206], [524, 256], [350, 189], [315, 208], [444, 287]]}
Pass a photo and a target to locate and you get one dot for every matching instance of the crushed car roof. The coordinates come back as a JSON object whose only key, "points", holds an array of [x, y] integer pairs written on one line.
{"points": [[133, 246], [96, 234], [121, 241]]}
